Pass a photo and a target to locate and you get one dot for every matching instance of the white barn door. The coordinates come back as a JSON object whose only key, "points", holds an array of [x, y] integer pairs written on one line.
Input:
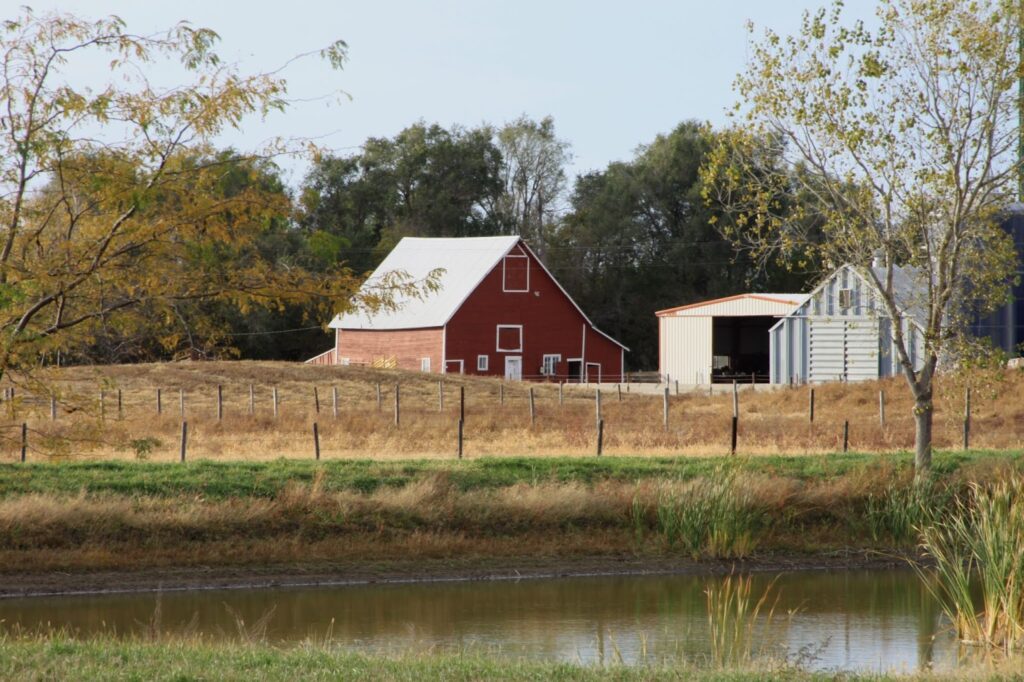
{"points": [[514, 368]]}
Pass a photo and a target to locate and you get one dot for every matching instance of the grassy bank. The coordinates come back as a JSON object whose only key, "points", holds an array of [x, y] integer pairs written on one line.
{"points": [[61, 658], [497, 415], [131, 516]]}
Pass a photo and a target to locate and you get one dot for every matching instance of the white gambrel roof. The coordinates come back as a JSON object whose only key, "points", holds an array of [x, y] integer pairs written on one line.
{"points": [[465, 260]]}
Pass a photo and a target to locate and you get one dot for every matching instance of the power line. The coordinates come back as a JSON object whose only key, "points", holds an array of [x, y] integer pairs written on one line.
{"points": [[276, 331]]}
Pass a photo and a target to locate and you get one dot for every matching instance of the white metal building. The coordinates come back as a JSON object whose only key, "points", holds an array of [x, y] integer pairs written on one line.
{"points": [[841, 332], [721, 340]]}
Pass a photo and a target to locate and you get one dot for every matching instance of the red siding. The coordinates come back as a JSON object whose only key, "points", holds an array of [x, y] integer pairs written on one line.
{"points": [[407, 346], [551, 325]]}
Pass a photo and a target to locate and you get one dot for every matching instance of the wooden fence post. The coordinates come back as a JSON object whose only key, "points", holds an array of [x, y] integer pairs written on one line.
{"points": [[316, 400], [560, 396], [811, 406], [181, 402], [397, 406], [24, 440], [159, 402], [461, 426], [618, 389], [600, 436], [677, 386], [103, 406], [275, 402], [462, 404], [380, 404], [967, 419], [597, 403], [533, 410], [665, 409], [846, 435], [220, 402], [184, 439], [120, 405], [252, 400], [316, 441], [334, 401], [881, 409], [735, 430], [440, 396], [735, 400]]}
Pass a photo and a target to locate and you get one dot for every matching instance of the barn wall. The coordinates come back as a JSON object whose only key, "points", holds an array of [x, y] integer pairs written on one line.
{"points": [[551, 325], [821, 341], [407, 346], [685, 352]]}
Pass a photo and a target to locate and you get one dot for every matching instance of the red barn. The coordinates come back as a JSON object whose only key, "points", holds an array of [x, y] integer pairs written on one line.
{"points": [[498, 312]]}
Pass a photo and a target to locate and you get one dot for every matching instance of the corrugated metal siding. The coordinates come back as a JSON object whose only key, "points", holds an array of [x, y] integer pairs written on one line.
{"points": [[827, 349], [861, 349], [843, 349], [686, 348]]}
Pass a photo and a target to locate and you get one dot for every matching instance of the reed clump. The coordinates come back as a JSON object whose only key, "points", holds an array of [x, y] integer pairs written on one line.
{"points": [[738, 620], [719, 516], [900, 510], [978, 573]]}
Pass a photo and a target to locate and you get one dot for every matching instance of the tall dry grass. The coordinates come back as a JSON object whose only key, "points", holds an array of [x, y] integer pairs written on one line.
{"points": [[771, 422], [724, 515]]}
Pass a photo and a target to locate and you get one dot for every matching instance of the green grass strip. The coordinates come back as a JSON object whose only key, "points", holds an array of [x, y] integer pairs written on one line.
{"points": [[220, 480]]}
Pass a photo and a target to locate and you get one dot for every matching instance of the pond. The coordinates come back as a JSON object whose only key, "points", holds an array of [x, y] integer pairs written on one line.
{"points": [[838, 620]]}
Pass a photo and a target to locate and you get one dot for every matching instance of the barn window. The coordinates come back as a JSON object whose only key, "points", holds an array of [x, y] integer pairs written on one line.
{"points": [[515, 273], [550, 365], [845, 299], [481, 363], [424, 364], [509, 338]]}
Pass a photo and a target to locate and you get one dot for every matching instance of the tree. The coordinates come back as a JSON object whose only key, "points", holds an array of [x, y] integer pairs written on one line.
{"points": [[533, 178], [639, 238], [111, 198], [904, 139], [426, 181]]}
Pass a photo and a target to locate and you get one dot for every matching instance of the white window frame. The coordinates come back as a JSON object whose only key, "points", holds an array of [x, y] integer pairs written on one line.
{"points": [[497, 338], [425, 364], [586, 371], [504, 274], [553, 370], [462, 366], [482, 363]]}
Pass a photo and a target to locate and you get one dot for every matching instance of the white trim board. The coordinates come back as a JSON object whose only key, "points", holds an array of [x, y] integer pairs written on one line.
{"points": [[497, 338]]}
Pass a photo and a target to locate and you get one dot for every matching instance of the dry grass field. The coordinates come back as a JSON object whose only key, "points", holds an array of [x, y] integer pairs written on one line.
{"points": [[771, 421]]}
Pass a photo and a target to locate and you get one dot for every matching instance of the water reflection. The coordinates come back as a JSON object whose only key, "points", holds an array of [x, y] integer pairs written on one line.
{"points": [[844, 620]]}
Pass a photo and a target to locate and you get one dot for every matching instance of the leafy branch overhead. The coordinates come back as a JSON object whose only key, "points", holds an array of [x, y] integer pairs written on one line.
{"points": [[113, 200]]}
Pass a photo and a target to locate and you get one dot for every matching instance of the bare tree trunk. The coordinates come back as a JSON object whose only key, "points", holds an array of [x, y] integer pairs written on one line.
{"points": [[923, 412]]}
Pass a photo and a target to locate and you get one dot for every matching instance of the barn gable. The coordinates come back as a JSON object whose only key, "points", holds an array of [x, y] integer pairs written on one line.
{"points": [[844, 332]]}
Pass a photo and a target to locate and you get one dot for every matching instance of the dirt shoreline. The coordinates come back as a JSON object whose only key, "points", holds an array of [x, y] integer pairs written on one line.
{"points": [[57, 583]]}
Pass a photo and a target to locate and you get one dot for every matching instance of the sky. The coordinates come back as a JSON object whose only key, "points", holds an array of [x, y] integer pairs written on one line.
{"points": [[613, 75]]}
